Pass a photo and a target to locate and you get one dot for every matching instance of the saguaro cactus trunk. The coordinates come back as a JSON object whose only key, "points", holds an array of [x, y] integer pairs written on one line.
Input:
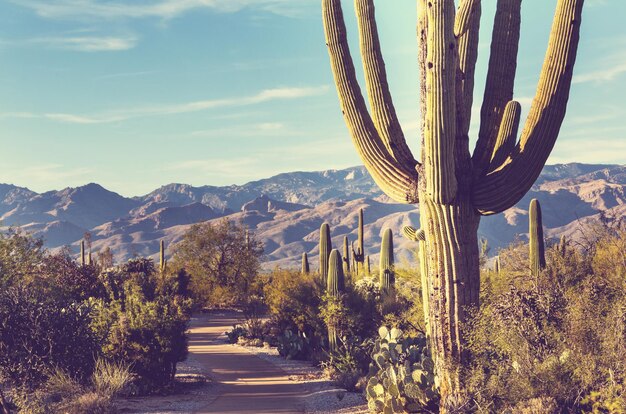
{"points": [[305, 264], [387, 275], [359, 252], [453, 186], [346, 255], [325, 247], [537, 253], [335, 286]]}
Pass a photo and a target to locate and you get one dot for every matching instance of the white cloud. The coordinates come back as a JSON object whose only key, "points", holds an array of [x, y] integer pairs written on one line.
{"points": [[609, 72], [44, 175], [164, 9], [264, 96], [89, 43]]}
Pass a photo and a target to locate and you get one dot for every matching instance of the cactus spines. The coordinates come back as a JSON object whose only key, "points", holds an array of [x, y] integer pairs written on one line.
{"points": [[325, 248], [387, 274], [82, 253], [346, 255], [335, 286], [305, 264], [537, 255], [453, 185], [162, 261], [359, 252]]}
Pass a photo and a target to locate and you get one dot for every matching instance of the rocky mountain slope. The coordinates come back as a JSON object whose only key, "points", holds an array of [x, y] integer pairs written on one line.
{"points": [[287, 210]]}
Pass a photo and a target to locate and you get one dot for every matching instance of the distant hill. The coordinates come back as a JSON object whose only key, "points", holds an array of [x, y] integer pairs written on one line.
{"points": [[287, 210]]}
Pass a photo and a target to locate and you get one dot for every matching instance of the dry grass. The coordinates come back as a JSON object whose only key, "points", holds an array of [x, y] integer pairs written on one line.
{"points": [[111, 378]]}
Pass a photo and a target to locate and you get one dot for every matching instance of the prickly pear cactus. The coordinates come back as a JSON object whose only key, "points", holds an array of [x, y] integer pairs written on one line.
{"points": [[401, 377]]}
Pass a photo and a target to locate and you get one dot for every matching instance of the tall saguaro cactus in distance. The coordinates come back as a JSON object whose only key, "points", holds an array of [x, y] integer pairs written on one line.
{"points": [[82, 253], [346, 255], [454, 187], [325, 248], [359, 252], [537, 254], [162, 261], [387, 275], [305, 264]]}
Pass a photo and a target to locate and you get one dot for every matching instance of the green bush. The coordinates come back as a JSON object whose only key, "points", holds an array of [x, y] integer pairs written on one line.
{"points": [[559, 339], [144, 322], [41, 333]]}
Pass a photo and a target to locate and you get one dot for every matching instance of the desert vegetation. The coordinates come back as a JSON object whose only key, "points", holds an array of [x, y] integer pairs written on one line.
{"points": [[74, 334], [548, 337]]}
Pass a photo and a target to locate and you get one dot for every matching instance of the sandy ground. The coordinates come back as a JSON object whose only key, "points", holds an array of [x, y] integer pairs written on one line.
{"points": [[243, 379]]}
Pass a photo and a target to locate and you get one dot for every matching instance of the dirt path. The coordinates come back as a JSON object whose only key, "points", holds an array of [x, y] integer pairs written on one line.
{"points": [[244, 382]]}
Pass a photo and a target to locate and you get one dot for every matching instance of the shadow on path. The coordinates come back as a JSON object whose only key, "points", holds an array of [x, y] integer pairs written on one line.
{"points": [[245, 383]]}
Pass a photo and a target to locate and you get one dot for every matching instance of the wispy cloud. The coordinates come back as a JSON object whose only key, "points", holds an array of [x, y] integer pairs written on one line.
{"points": [[265, 129], [606, 74], [89, 43], [164, 9], [45, 175], [264, 96]]}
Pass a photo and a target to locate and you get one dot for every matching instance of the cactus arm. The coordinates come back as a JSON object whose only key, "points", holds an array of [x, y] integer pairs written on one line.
{"points": [[466, 28], [440, 117], [501, 189], [507, 134], [500, 78], [397, 180], [381, 102]]}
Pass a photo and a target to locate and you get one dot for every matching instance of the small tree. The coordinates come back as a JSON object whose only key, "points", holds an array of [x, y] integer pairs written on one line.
{"points": [[221, 260]]}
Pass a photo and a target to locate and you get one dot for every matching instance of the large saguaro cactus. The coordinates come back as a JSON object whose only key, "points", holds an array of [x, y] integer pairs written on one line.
{"points": [[453, 186]]}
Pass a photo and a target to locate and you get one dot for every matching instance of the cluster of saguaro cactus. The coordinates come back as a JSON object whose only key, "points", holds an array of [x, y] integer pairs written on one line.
{"points": [[537, 253], [387, 276], [325, 247], [335, 286], [454, 186]]}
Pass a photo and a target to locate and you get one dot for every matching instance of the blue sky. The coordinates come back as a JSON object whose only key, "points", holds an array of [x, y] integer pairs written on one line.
{"points": [[134, 94]]}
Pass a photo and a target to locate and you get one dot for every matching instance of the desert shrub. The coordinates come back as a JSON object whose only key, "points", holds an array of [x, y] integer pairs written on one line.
{"points": [[143, 323], [40, 333], [293, 301], [61, 275], [347, 364], [21, 256], [558, 340], [237, 332]]}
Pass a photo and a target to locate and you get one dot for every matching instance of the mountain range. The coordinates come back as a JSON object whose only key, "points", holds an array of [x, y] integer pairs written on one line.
{"points": [[286, 211]]}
